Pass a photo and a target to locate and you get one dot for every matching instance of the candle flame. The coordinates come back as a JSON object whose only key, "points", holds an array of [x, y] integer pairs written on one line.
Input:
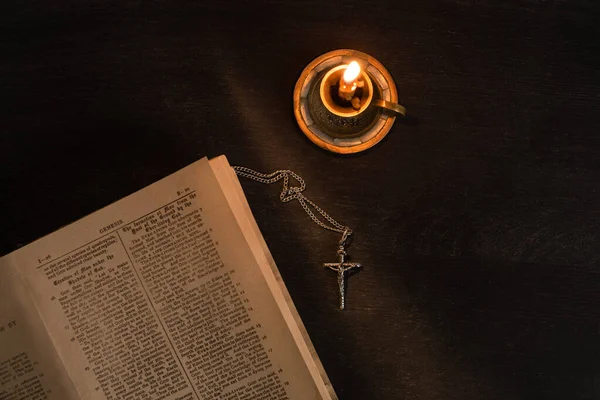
{"points": [[352, 72]]}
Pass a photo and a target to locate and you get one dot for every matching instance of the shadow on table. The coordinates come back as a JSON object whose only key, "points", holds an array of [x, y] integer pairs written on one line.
{"points": [[532, 329]]}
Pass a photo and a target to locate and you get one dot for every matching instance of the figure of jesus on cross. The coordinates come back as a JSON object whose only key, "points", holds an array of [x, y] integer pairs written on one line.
{"points": [[342, 267]]}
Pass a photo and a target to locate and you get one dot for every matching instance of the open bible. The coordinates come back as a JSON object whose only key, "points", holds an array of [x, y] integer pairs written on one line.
{"points": [[168, 294]]}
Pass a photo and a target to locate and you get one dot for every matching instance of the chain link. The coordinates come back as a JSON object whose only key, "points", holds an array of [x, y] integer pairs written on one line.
{"points": [[295, 193]]}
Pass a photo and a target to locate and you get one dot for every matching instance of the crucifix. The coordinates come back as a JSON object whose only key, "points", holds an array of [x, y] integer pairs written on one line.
{"points": [[289, 193], [342, 267]]}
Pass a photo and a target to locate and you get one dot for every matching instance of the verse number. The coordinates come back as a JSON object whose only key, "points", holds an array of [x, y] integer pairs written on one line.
{"points": [[43, 259]]}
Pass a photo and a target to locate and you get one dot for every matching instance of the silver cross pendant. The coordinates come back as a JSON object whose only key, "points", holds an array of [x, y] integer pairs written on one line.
{"points": [[342, 267]]}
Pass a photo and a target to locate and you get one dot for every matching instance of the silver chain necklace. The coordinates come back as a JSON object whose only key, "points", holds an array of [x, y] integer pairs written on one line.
{"points": [[289, 193]]}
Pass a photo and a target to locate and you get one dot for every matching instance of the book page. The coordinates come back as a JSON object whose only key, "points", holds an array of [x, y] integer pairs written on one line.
{"points": [[240, 207], [29, 366], [159, 296]]}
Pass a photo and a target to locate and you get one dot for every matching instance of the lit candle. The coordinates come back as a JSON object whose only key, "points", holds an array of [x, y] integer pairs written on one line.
{"points": [[349, 81]]}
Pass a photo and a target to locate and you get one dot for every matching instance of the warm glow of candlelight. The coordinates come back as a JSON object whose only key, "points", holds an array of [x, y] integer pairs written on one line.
{"points": [[351, 73], [348, 82]]}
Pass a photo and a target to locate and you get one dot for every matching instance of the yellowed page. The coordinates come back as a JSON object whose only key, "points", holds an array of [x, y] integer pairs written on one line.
{"points": [[239, 205], [29, 365], [159, 296]]}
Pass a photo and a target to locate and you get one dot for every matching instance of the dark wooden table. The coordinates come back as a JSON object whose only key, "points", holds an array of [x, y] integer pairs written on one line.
{"points": [[477, 220]]}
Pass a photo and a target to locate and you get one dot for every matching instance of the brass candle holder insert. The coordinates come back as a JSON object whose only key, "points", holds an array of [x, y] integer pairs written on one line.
{"points": [[345, 101], [329, 90]]}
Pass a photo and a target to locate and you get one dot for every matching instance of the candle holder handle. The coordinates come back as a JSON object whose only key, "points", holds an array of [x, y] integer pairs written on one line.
{"points": [[390, 106]]}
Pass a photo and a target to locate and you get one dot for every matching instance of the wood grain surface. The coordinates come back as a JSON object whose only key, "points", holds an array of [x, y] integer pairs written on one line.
{"points": [[476, 219]]}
